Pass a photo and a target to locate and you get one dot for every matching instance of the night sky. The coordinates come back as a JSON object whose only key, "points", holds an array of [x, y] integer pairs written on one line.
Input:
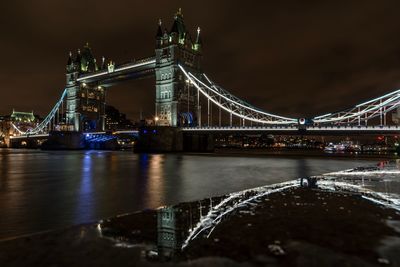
{"points": [[293, 58]]}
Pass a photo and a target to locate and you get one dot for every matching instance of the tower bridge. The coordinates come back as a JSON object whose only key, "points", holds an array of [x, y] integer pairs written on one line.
{"points": [[188, 100]]}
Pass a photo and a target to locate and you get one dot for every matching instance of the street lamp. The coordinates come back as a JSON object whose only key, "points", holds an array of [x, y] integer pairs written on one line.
{"points": [[156, 119]]}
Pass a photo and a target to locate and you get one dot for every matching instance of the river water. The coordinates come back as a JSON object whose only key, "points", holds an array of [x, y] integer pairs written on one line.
{"points": [[41, 190]]}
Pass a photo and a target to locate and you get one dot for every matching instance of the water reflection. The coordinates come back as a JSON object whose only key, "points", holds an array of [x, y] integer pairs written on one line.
{"points": [[178, 225], [168, 237], [155, 180], [302, 168], [172, 225], [46, 190], [384, 177], [84, 209]]}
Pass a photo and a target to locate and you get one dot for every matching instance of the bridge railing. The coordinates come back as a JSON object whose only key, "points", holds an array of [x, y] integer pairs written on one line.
{"points": [[361, 113], [294, 128], [239, 128], [356, 128]]}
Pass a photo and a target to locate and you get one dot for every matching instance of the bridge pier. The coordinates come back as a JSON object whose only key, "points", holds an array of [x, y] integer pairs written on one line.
{"points": [[162, 139], [155, 139], [198, 142], [64, 141], [28, 142]]}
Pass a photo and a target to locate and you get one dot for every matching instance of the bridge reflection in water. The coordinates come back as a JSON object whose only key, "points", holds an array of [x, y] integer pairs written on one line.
{"points": [[172, 228]]}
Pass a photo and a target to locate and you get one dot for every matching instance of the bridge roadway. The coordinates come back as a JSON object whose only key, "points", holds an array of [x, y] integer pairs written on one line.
{"points": [[45, 135], [292, 130], [295, 130], [132, 132]]}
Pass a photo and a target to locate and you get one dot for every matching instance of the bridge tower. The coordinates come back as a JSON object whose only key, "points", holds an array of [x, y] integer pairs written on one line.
{"points": [[85, 103], [176, 99]]}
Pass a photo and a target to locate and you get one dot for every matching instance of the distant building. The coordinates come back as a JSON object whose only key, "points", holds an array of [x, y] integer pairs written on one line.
{"points": [[3, 126], [24, 121], [116, 120], [22, 117]]}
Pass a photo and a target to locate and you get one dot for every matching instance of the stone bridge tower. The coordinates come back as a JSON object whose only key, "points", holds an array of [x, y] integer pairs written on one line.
{"points": [[85, 103], [176, 100]]}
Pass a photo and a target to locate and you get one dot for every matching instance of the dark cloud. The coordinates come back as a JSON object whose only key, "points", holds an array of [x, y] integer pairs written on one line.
{"points": [[295, 58]]}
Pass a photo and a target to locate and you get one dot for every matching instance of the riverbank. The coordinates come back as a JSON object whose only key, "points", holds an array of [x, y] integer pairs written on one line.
{"points": [[282, 225], [303, 153]]}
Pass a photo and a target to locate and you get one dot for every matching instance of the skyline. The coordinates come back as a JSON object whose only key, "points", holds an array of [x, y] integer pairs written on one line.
{"points": [[279, 67]]}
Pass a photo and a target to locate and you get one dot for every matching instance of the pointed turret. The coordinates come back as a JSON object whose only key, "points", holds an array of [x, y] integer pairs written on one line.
{"points": [[78, 58], [88, 62], [70, 61], [178, 28], [174, 28], [94, 65], [198, 44], [72, 68], [198, 38], [103, 63], [159, 35], [159, 30]]}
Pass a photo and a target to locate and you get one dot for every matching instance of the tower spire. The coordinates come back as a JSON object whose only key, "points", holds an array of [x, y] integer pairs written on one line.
{"points": [[179, 13], [178, 28], [69, 58], [199, 42], [198, 39], [103, 62], [159, 29]]}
